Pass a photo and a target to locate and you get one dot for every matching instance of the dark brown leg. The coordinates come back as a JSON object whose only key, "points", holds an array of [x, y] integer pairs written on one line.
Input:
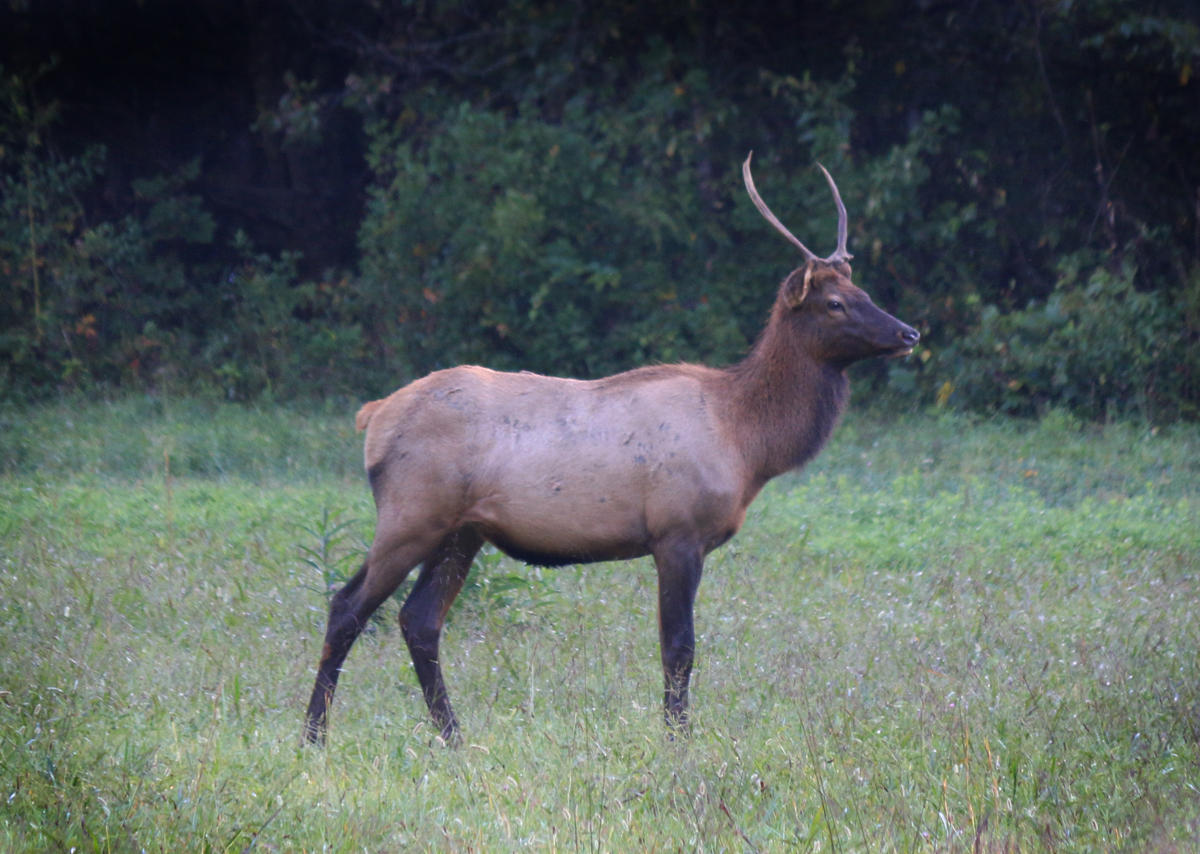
{"points": [[679, 569], [349, 611], [424, 614], [347, 617]]}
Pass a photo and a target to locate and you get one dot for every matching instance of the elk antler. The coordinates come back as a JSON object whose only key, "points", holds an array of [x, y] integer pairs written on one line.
{"points": [[839, 255], [766, 211]]}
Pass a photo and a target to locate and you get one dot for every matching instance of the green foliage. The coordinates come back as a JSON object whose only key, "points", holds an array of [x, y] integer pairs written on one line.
{"points": [[44, 329], [152, 298], [329, 556], [103, 302], [524, 244], [1097, 345], [259, 345], [89, 301]]}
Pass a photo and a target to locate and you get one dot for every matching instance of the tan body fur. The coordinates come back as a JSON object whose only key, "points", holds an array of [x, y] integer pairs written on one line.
{"points": [[560, 470]]}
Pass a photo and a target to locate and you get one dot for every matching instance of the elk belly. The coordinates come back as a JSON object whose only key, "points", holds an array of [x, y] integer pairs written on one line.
{"points": [[559, 520]]}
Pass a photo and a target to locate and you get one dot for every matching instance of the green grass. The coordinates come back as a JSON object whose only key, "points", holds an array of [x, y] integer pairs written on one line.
{"points": [[945, 635]]}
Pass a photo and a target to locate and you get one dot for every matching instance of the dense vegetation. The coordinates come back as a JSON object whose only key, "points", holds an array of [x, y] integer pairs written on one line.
{"points": [[948, 634], [308, 198]]}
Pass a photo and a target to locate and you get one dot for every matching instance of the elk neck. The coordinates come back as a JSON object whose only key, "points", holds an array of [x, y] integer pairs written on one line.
{"points": [[784, 401]]}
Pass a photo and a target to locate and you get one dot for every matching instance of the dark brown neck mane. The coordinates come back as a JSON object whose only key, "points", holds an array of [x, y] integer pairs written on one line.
{"points": [[784, 401]]}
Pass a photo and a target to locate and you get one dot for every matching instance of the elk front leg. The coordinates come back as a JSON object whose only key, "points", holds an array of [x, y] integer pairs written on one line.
{"points": [[679, 568], [424, 614]]}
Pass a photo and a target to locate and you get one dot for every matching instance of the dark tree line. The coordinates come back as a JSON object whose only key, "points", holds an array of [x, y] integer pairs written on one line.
{"points": [[291, 198]]}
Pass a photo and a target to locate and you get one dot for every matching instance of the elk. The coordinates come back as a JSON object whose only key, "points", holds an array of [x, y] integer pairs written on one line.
{"points": [[661, 460]]}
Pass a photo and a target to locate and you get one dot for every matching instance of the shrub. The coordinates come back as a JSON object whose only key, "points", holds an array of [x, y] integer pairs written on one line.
{"points": [[1098, 345], [519, 243]]}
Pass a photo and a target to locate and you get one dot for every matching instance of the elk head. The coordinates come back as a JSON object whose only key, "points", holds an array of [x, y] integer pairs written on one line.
{"points": [[844, 325]]}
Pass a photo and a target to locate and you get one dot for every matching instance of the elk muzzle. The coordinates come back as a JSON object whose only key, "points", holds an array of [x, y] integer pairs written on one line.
{"points": [[908, 339]]}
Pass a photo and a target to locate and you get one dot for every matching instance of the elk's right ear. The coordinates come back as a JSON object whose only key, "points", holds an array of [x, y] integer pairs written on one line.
{"points": [[796, 285]]}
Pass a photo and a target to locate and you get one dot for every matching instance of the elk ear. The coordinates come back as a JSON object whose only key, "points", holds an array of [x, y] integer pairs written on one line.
{"points": [[796, 285]]}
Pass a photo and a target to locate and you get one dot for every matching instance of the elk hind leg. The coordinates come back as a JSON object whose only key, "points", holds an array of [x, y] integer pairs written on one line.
{"points": [[424, 613], [386, 566]]}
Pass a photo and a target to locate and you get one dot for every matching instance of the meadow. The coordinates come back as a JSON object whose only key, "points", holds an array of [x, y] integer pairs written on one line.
{"points": [[946, 634]]}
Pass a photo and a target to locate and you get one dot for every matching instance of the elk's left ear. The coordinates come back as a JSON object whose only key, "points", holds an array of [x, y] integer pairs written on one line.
{"points": [[796, 285]]}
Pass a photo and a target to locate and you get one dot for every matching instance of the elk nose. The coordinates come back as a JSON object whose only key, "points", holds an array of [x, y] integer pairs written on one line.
{"points": [[909, 336]]}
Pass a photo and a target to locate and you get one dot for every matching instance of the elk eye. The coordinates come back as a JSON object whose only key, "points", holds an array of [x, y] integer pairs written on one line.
{"points": [[835, 305]]}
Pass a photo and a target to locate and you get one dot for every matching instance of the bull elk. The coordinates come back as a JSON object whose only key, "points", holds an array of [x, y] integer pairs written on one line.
{"points": [[660, 460]]}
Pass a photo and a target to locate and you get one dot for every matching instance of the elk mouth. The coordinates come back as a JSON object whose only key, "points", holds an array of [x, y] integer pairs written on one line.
{"points": [[908, 339]]}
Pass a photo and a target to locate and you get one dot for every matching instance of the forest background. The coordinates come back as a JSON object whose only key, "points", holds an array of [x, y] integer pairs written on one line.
{"points": [[305, 200]]}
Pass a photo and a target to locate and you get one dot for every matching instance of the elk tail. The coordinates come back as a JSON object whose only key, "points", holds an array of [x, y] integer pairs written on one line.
{"points": [[363, 418]]}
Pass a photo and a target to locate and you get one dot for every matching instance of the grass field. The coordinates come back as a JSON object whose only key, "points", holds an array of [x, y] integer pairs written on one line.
{"points": [[945, 635]]}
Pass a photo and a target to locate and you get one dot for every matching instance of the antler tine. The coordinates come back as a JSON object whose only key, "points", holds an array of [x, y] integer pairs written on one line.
{"points": [[840, 254], [771, 218]]}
